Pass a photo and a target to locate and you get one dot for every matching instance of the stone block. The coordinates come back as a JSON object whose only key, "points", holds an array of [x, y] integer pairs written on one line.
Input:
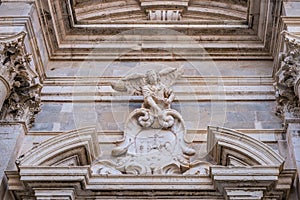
{"points": [[239, 125], [42, 127], [11, 138], [240, 116], [268, 116]]}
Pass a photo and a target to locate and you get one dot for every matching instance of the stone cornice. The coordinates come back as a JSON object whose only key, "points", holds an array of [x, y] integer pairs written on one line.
{"points": [[204, 88], [26, 23], [65, 33], [267, 179]]}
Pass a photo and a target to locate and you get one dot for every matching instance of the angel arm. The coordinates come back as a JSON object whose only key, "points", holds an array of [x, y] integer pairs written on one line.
{"points": [[169, 97], [149, 101]]}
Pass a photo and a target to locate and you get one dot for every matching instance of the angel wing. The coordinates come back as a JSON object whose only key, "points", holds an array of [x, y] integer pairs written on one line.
{"points": [[169, 75], [131, 84]]}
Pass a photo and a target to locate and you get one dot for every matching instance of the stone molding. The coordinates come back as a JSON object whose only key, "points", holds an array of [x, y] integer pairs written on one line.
{"points": [[232, 148], [246, 159], [82, 144], [62, 193], [231, 88], [258, 178], [242, 39], [23, 97], [164, 3], [26, 21]]}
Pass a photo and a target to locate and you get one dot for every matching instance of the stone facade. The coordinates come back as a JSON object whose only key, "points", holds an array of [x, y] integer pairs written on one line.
{"points": [[149, 99]]}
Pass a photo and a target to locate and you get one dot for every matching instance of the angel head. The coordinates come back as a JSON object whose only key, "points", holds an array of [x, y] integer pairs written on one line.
{"points": [[152, 77]]}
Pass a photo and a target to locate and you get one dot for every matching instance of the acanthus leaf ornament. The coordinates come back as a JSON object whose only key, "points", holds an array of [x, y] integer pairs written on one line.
{"points": [[23, 99], [288, 76]]}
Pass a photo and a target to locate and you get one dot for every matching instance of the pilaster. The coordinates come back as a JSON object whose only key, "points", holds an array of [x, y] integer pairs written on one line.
{"points": [[11, 137], [287, 77]]}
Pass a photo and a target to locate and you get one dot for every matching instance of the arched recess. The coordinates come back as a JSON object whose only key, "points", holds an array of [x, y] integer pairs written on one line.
{"points": [[245, 167], [76, 148], [232, 148]]}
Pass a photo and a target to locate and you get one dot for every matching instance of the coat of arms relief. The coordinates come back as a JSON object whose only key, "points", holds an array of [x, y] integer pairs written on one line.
{"points": [[154, 140]]}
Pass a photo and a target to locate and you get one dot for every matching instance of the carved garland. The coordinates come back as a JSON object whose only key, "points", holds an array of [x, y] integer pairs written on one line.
{"points": [[23, 101]]}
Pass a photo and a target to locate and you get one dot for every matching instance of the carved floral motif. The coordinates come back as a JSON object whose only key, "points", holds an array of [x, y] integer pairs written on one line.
{"points": [[23, 101], [288, 76]]}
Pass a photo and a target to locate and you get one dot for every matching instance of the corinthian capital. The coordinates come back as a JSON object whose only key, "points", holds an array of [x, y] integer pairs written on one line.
{"points": [[288, 76], [23, 99]]}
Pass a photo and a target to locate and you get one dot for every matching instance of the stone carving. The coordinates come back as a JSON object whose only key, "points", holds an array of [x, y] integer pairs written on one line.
{"points": [[154, 136], [23, 101], [170, 4], [164, 15], [288, 77], [164, 10]]}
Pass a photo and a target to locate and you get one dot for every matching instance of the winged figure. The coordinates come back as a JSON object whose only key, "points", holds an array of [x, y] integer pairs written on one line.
{"points": [[154, 86], [133, 83], [155, 112]]}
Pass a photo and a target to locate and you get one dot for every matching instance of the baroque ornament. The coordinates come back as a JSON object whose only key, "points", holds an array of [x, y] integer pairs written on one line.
{"points": [[287, 77], [164, 10], [164, 15], [154, 136], [23, 100]]}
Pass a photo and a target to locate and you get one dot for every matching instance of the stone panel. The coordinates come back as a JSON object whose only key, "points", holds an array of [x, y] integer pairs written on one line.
{"points": [[236, 115]]}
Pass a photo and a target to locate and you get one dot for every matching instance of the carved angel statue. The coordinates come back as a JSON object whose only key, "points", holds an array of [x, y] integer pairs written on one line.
{"points": [[154, 86], [153, 129]]}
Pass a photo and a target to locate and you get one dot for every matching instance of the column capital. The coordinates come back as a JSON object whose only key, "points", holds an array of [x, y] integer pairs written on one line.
{"points": [[287, 77], [23, 89]]}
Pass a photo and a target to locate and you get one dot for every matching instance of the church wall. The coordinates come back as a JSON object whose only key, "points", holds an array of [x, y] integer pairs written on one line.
{"points": [[236, 94]]}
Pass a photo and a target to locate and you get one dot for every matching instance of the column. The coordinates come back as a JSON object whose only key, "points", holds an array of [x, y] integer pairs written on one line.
{"points": [[4, 90], [10, 52]]}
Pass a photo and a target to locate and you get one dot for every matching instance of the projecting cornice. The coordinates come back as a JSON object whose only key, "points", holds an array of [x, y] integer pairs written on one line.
{"points": [[79, 31], [250, 169]]}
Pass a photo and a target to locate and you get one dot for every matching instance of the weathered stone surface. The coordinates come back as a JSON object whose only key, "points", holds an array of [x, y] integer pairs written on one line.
{"points": [[226, 49], [11, 139], [22, 97], [287, 77]]}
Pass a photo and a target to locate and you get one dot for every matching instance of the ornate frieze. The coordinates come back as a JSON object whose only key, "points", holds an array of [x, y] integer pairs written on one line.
{"points": [[287, 77], [23, 97]]}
